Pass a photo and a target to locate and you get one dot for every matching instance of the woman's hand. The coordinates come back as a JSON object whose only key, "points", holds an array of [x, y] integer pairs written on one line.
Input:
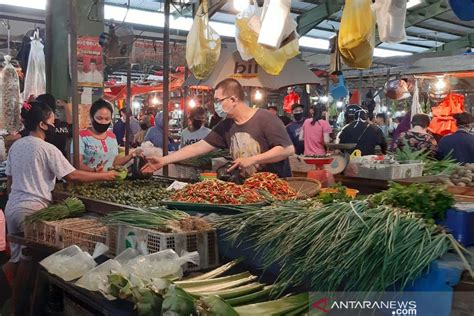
{"points": [[110, 175], [99, 167]]}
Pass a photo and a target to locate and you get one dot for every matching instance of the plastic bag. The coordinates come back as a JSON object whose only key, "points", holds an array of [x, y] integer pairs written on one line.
{"points": [[357, 34], [390, 16], [69, 264], [271, 60], [203, 45], [464, 9], [161, 264], [272, 33], [35, 79], [10, 104]]}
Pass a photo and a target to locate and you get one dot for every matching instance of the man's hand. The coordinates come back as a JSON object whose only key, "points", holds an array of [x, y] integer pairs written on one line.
{"points": [[153, 164], [242, 163]]}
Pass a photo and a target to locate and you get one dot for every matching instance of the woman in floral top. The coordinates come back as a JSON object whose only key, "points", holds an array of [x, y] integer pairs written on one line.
{"points": [[418, 138]]}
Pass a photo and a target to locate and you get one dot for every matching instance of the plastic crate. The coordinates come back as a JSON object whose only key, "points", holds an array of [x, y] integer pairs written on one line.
{"points": [[460, 223], [49, 232], [205, 243], [85, 235], [388, 172]]}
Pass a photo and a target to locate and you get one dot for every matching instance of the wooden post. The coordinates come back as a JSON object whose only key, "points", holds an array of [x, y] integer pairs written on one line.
{"points": [[166, 70], [73, 69]]}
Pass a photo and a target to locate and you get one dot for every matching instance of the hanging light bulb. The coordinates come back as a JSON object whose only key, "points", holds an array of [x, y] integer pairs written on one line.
{"points": [[192, 103], [258, 95], [241, 5], [440, 84], [324, 99], [155, 100]]}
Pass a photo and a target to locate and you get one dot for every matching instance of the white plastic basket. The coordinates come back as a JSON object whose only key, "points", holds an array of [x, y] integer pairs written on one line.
{"points": [[388, 172], [205, 243]]}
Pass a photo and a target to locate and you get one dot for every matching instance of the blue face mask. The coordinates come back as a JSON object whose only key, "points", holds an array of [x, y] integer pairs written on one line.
{"points": [[219, 110]]}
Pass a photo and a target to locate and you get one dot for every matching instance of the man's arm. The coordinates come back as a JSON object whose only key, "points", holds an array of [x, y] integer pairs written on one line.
{"points": [[276, 154], [196, 149]]}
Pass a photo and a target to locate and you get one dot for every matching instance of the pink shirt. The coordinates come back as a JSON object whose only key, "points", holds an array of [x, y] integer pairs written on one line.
{"points": [[314, 136], [3, 244]]}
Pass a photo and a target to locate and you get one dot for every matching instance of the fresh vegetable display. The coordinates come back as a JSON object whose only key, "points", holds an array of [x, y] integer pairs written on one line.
{"points": [[462, 176], [269, 182], [217, 192], [341, 246], [430, 201], [70, 207], [159, 218], [336, 193], [432, 166], [138, 193]]}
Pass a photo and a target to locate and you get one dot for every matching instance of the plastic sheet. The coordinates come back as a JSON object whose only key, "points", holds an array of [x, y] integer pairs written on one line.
{"points": [[10, 103], [35, 79], [391, 16], [203, 45], [357, 34]]}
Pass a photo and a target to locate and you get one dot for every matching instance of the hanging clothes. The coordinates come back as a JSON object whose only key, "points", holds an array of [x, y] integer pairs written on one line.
{"points": [[443, 122], [35, 79], [10, 102], [289, 100]]}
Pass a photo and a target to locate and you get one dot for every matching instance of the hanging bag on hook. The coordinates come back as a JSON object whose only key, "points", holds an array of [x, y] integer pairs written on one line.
{"points": [[35, 79], [203, 45], [390, 16], [463, 9], [356, 34]]}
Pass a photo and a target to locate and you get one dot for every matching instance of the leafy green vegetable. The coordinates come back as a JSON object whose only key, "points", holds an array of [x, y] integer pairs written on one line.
{"points": [[70, 207], [178, 301]]}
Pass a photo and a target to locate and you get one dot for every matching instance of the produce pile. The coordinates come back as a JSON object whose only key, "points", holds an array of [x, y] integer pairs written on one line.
{"points": [[70, 207], [158, 218], [432, 166], [139, 193], [428, 201], [346, 246], [255, 189], [265, 181], [462, 176], [217, 192]]}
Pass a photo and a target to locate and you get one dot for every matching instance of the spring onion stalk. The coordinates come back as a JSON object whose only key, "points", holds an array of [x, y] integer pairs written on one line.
{"points": [[250, 298], [212, 282], [227, 292], [214, 306], [156, 217], [216, 272], [351, 246], [282, 306], [70, 207]]}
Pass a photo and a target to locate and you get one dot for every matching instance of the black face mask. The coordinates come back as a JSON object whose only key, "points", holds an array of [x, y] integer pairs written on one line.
{"points": [[144, 126], [196, 124], [50, 133], [298, 116], [100, 128]]}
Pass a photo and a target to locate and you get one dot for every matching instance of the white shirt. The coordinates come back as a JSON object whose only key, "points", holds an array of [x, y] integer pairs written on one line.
{"points": [[34, 166]]}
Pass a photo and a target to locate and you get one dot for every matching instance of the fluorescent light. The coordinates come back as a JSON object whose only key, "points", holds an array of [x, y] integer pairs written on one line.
{"points": [[382, 52], [33, 4], [258, 95], [312, 42], [413, 3], [241, 5]]}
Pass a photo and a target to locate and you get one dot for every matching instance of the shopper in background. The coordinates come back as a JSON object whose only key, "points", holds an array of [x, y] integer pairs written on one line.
{"points": [[294, 128], [98, 147], [402, 127], [145, 124], [418, 138], [274, 110], [121, 125], [214, 119], [460, 145], [196, 129], [33, 165], [155, 133], [316, 133], [257, 140], [366, 136], [381, 122]]}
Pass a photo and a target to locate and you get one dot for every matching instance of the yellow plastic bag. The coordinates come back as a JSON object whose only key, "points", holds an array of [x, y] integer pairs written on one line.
{"points": [[203, 45], [271, 60], [357, 34]]}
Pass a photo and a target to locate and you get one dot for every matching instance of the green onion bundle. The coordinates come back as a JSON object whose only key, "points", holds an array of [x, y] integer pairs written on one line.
{"points": [[342, 246], [70, 207], [155, 218]]}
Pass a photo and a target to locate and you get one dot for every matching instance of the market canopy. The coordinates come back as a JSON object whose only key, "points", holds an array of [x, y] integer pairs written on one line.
{"points": [[249, 74]]}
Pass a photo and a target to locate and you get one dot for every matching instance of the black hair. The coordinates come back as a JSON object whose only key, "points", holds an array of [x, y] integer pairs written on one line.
{"points": [[231, 88], [382, 115], [296, 105], [272, 107], [421, 120], [318, 113], [463, 119], [47, 99], [197, 112], [33, 113], [100, 104]]}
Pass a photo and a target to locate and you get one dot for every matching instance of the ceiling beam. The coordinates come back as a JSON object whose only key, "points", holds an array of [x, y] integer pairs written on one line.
{"points": [[216, 6], [466, 41], [308, 20]]}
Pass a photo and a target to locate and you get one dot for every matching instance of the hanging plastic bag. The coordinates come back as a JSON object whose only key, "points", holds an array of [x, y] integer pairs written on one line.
{"points": [[203, 45], [357, 34], [338, 90], [35, 79], [463, 9], [276, 23], [271, 60], [415, 103], [390, 16], [10, 103]]}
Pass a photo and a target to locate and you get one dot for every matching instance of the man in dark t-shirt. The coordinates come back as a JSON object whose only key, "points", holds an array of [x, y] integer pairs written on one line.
{"points": [[257, 139], [63, 128]]}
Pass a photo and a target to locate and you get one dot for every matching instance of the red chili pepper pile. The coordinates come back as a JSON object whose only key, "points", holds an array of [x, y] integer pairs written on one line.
{"points": [[278, 188], [217, 192]]}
